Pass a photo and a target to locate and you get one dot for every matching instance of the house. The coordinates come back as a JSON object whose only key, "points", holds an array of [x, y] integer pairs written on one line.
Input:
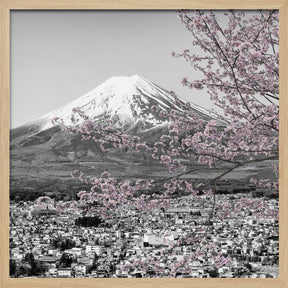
{"points": [[74, 251], [65, 272], [82, 269], [47, 260], [53, 272]]}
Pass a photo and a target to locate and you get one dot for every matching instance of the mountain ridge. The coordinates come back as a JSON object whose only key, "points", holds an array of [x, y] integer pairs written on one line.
{"points": [[41, 152], [113, 97], [42, 155]]}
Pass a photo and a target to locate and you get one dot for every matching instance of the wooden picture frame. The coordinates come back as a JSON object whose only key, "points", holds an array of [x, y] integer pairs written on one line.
{"points": [[6, 6]]}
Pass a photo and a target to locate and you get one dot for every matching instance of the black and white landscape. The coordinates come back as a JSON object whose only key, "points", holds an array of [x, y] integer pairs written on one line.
{"points": [[43, 156], [77, 241]]}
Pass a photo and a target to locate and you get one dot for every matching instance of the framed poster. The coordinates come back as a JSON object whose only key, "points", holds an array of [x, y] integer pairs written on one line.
{"points": [[143, 142]]}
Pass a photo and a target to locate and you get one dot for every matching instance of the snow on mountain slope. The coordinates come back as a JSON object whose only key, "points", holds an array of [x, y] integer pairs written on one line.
{"points": [[127, 100]]}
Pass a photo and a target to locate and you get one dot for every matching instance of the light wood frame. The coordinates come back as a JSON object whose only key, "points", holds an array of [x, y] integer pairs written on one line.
{"points": [[5, 7]]}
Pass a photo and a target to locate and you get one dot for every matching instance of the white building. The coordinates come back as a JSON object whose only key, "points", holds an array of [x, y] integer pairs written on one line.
{"points": [[64, 272]]}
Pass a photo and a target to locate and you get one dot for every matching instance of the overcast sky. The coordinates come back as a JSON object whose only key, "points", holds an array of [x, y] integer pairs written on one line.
{"points": [[57, 56]]}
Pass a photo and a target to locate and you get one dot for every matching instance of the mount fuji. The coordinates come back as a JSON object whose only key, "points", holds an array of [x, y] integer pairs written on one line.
{"points": [[126, 100], [40, 150]]}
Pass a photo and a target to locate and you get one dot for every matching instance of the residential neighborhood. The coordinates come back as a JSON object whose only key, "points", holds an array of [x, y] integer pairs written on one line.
{"points": [[47, 243]]}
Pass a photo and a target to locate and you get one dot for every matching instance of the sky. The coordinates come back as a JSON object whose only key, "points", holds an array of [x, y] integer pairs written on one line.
{"points": [[58, 56]]}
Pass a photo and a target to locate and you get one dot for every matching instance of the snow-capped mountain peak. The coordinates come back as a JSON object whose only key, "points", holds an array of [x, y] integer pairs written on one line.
{"points": [[126, 99]]}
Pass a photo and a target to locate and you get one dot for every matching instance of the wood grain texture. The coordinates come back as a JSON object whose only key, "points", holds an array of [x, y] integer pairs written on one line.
{"points": [[144, 4], [4, 146], [283, 163], [5, 6]]}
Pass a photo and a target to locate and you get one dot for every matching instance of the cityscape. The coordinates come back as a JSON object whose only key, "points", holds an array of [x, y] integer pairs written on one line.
{"points": [[44, 243]]}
